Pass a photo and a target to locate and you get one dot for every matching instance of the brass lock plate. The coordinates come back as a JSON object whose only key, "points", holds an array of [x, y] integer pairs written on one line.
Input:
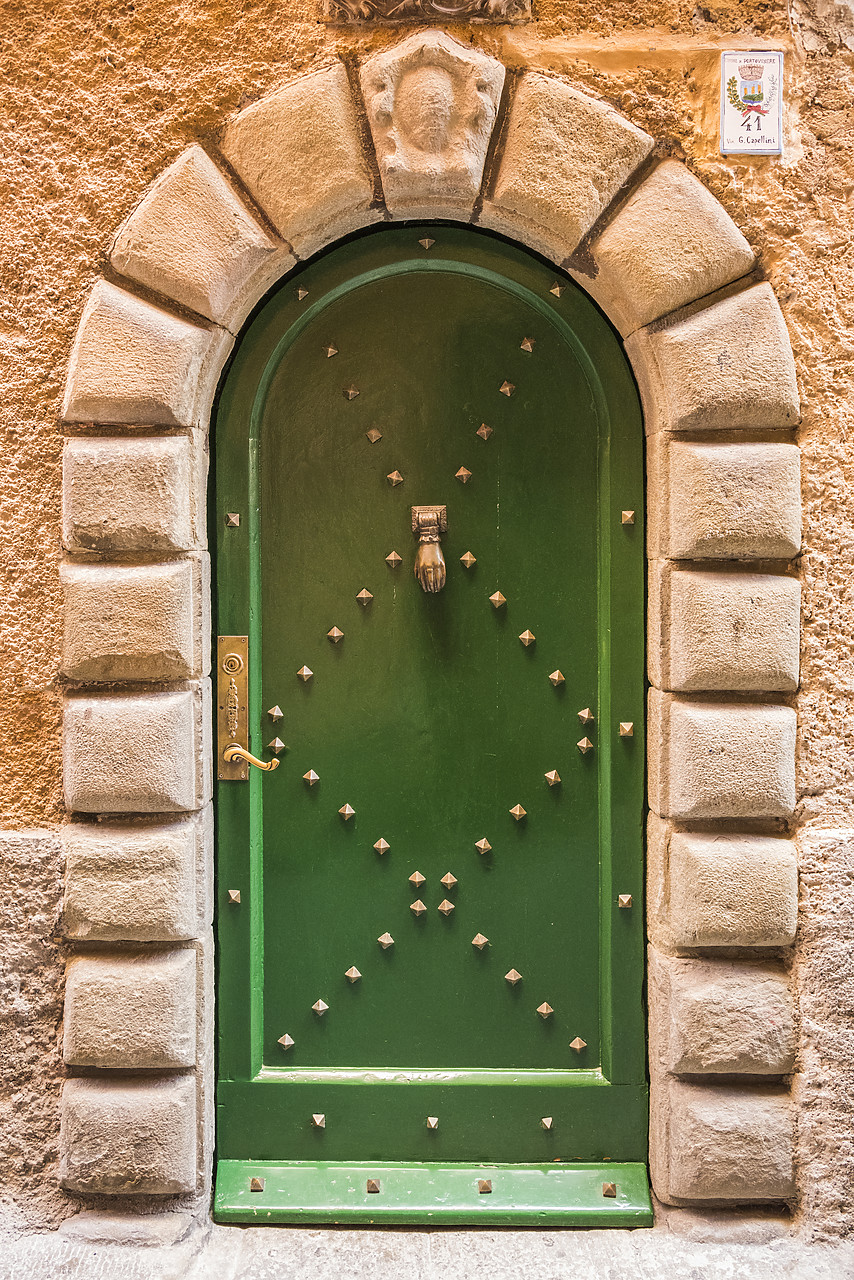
{"points": [[232, 697]]}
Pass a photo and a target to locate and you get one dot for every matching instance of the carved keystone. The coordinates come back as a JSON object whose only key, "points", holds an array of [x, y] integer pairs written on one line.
{"points": [[431, 104]]}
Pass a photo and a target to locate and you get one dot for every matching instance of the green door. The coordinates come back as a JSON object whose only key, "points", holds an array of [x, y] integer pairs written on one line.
{"points": [[430, 914]]}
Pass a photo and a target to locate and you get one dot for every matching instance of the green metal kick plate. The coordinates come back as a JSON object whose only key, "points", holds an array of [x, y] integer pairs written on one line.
{"points": [[533, 1195]]}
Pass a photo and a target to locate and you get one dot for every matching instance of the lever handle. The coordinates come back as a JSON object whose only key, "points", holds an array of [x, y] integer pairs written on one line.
{"points": [[235, 752]]}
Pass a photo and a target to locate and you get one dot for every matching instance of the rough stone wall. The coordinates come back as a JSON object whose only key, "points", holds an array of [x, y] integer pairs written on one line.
{"points": [[99, 100]]}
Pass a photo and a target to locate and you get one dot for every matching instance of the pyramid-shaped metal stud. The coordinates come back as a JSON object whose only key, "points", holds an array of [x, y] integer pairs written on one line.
{"points": [[507, 388], [552, 777], [302, 294], [305, 674], [335, 634], [417, 907], [393, 559], [479, 941], [374, 434], [432, 1122], [426, 243], [527, 638], [624, 901], [286, 1041], [484, 1186], [385, 940], [482, 846], [446, 907], [364, 597], [232, 519], [497, 600], [557, 288], [319, 1007], [449, 881], [586, 716], [518, 812], [513, 976], [527, 344], [609, 1190], [416, 879], [484, 431], [627, 517], [275, 713], [257, 1184], [545, 1010], [330, 351], [318, 1120], [234, 895], [627, 729], [394, 478], [577, 1044], [311, 777], [584, 746], [463, 475], [350, 393], [352, 974], [372, 1186], [347, 811], [557, 678], [382, 846], [468, 561], [276, 746], [547, 1123]]}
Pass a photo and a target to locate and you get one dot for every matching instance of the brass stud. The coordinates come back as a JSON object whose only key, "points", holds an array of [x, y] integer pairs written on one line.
{"points": [[484, 431], [275, 713], [256, 1184], [484, 1186], [557, 678], [372, 1186], [286, 1041], [609, 1189], [394, 478], [417, 907], [479, 941], [552, 777], [628, 517], [545, 1010], [320, 1007], [330, 352], [586, 716], [518, 812], [448, 881], [311, 777], [374, 434], [483, 846], [497, 600], [364, 597], [335, 634], [385, 940], [527, 344], [350, 393], [426, 243], [513, 976], [432, 1122], [416, 879], [347, 811], [624, 901], [232, 519], [393, 559], [557, 288], [446, 907], [382, 846], [305, 674], [577, 1044], [547, 1123], [302, 294], [627, 729], [234, 895], [352, 974], [507, 388], [468, 561], [276, 746], [527, 638], [463, 475], [584, 746], [318, 1120]]}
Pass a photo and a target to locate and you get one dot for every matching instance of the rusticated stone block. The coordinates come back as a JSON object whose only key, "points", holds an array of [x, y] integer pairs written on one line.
{"points": [[131, 1011], [723, 501], [275, 144], [728, 367], [140, 883], [138, 753], [670, 243], [145, 622], [431, 104], [717, 1144], [128, 495], [130, 1137], [714, 630], [134, 363], [565, 158], [720, 760], [194, 240], [716, 1016]]}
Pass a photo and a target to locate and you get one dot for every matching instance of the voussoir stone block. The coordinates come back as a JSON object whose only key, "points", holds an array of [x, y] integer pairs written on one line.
{"points": [[431, 105], [727, 367], [138, 883], [671, 243], [135, 363], [131, 1011], [129, 1137], [718, 1144], [138, 753], [141, 622], [723, 501], [715, 630], [298, 151], [193, 239], [720, 760], [720, 1016], [565, 158]]}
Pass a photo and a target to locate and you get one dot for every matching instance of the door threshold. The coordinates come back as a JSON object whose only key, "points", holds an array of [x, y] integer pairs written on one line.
{"points": [[515, 1195]]}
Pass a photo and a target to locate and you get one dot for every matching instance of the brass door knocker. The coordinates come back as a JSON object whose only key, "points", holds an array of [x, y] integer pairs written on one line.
{"points": [[429, 523]]}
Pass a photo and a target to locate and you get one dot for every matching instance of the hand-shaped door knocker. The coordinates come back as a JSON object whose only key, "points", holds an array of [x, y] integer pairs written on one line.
{"points": [[429, 523]]}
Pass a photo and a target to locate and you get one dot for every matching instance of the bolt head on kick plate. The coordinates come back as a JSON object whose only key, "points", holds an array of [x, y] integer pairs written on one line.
{"points": [[480, 941], [552, 777], [347, 812], [577, 1044], [286, 1041], [545, 1010], [483, 846], [335, 634], [372, 1186], [518, 812], [305, 674], [311, 777], [484, 1186], [557, 678], [352, 974], [320, 1007], [364, 597], [446, 907], [256, 1184], [318, 1120], [497, 600], [417, 907], [609, 1189], [385, 940], [527, 638], [513, 976]]}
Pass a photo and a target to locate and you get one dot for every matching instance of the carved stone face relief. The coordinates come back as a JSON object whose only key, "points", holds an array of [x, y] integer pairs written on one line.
{"points": [[431, 105]]}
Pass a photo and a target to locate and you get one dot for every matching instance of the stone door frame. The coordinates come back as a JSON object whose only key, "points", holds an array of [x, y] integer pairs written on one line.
{"points": [[564, 174]]}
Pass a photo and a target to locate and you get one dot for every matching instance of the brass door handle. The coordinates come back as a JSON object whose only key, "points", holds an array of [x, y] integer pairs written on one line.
{"points": [[235, 752]]}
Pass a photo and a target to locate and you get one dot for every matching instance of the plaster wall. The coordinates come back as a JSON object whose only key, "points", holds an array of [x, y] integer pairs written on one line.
{"points": [[99, 101]]}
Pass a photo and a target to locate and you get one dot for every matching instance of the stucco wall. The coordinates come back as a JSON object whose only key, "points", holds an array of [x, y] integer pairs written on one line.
{"points": [[103, 99]]}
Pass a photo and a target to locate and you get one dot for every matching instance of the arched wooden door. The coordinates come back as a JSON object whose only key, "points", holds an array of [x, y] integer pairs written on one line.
{"points": [[430, 914]]}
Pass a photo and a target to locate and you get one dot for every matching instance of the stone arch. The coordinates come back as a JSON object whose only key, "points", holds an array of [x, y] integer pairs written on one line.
{"points": [[567, 176]]}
